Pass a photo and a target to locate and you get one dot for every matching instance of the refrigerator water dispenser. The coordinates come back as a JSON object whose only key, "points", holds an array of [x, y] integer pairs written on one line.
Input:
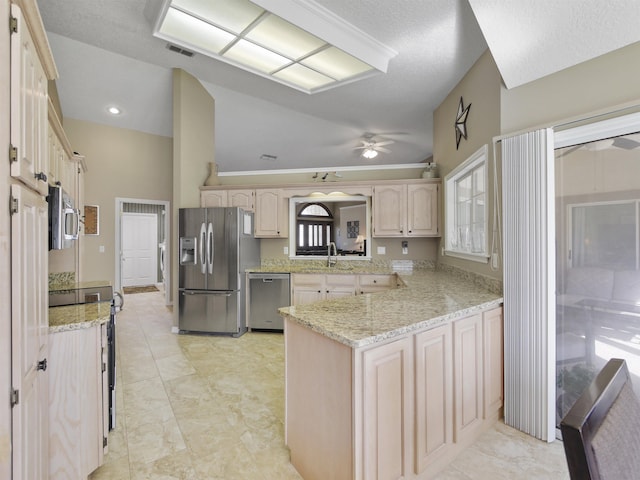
{"points": [[188, 251]]}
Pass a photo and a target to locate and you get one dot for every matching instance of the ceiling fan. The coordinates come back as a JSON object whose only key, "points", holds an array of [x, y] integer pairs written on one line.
{"points": [[370, 147], [624, 143]]}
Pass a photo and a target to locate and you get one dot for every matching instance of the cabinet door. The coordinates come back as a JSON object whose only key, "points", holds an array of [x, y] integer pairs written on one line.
{"points": [[468, 375], [29, 328], [53, 145], [434, 395], [375, 283], [337, 286], [422, 210], [29, 125], [306, 288], [387, 410], [389, 210], [493, 361], [271, 218], [241, 198], [213, 198]]}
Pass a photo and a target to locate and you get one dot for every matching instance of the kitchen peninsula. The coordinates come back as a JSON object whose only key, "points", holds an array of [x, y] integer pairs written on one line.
{"points": [[392, 384]]}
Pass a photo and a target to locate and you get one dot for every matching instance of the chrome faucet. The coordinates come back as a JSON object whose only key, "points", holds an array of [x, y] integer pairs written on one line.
{"points": [[332, 261]]}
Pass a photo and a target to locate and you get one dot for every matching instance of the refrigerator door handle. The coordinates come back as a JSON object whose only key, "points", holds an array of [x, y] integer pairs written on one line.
{"points": [[207, 292], [203, 233], [210, 248]]}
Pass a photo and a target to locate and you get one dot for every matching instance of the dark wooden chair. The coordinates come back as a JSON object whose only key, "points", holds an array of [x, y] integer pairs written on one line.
{"points": [[601, 432]]}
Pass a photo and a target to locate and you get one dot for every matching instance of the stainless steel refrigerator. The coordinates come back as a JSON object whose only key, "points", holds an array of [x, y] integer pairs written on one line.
{"points": [[216, 247]]}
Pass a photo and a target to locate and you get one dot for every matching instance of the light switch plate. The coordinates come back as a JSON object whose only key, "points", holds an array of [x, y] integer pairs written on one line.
{"points": [[382, 250]]}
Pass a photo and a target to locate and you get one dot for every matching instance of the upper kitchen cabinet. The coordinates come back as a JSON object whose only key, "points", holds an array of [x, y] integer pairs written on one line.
{"points": [[271, 218], [406, 209], [29, 102], [61, 167], [228, 198]]}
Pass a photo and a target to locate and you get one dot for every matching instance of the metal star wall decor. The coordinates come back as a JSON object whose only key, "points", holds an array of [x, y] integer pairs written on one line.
{"points": [[461, 122]]}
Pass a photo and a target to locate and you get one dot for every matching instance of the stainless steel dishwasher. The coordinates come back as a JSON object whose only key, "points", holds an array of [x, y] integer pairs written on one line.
{"points": [[267, 293]]}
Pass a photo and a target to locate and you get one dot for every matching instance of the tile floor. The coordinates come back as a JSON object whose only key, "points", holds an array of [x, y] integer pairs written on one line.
{"points": [[206, 407]]}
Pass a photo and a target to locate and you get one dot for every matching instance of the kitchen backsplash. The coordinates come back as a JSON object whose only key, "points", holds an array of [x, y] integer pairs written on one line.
{"points": [[61, 279]]}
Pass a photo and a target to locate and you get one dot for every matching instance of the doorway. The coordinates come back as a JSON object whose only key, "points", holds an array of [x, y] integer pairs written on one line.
{"points": [[142, 240], [597, 192]]}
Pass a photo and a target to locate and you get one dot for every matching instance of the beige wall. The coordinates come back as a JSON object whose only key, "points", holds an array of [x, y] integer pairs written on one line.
{"points": [[193, 150], [481, 88], [597, 86], [120, 163]]}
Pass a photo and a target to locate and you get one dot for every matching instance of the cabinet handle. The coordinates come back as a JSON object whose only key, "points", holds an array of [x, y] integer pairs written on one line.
{"points": [[319, 291], [42, 365], [375, 281], [40, 176]]}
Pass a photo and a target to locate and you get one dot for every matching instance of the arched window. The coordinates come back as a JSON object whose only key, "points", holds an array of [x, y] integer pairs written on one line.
{"points": [[314, 230]]}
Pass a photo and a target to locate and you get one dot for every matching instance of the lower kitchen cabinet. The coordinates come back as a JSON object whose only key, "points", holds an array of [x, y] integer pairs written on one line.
{"points": [[77, 395], [434, 395], [402, 409], [387, 386], [309, 288]]}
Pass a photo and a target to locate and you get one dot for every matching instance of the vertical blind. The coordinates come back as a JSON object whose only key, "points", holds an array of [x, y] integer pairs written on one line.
{"points": [[529, 283]]}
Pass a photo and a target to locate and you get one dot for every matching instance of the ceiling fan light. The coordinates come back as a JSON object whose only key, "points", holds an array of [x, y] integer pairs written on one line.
{"points": [[369, 153]]}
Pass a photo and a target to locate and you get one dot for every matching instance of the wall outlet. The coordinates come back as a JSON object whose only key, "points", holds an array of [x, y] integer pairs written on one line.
{"points": [[285, 250], [405, 247], [494, 260], [101, 248], [382, 250]]}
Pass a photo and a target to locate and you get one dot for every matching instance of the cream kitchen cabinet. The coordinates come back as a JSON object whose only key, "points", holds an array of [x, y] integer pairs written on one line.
{"points": [[387, 410], [78, 392], [434, 395], [228, 198], [398, 409], [468, 374], [371, 283], [62, 169], [29, 332], [309, 288], [406, 210], [213, 198], [29, 103], [271, 213]]}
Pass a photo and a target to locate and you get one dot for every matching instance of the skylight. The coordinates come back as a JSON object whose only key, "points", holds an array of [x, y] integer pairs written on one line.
{"points": [[294, 42]]}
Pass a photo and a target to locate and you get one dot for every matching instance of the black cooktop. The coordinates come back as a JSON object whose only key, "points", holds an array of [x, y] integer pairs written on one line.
{"points": [[78, 296]]}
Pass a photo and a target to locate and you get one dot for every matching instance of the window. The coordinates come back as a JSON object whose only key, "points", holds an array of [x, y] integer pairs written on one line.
{"points": [[315, 229], [466, 209]]}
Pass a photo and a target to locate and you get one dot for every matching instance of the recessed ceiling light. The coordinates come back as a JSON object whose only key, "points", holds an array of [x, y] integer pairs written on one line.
{"points": [[113, 110], [297, 43]]}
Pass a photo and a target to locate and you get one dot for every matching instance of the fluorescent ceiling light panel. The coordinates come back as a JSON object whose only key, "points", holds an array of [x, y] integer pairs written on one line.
{"points": [[293, 47], [303, 76], [284, 38], [256, 57], [336, 63], [234, 15], [188, 31]]}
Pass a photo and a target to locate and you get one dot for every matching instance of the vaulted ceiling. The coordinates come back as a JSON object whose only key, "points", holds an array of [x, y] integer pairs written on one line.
{"points": [[106, 54]]}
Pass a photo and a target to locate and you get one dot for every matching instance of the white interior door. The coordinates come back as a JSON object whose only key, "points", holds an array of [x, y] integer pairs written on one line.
{"points": [[139, 249]]}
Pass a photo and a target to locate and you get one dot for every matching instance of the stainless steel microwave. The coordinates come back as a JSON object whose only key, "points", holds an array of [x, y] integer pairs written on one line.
{"points": [[64, 219]]}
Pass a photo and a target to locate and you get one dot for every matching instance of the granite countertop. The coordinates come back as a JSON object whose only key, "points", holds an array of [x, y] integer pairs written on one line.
{"points": [[74, 317], [427, 299]]}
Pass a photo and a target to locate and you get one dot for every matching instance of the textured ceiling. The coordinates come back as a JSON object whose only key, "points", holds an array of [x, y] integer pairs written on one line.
{"points": [[106, 54]]}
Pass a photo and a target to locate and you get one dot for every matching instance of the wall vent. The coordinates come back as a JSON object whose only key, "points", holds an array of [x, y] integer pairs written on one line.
{"points": [[175, 48]]}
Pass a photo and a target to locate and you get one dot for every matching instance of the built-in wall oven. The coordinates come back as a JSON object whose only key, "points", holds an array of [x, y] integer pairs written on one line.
{"points": [[98, 294]]}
